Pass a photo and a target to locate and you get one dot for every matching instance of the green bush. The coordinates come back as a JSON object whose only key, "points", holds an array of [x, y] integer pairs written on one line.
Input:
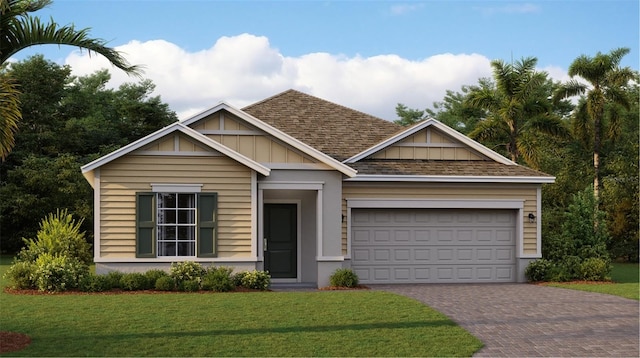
{"points": [[186, 271], [113, 278], [218, 279], [538, 270], [21, 275], [154, 275], [343, 278], [134, 281], [570, 266], [255, 280], [595, 269], [189, 285], [95, 283], [59, 235], [165, 283], [58, 273]]}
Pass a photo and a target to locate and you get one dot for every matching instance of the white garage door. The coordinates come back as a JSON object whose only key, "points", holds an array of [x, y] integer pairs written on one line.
{"points": [[433, 245]]}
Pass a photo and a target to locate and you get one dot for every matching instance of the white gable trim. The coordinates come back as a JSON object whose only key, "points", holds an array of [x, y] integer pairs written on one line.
{"points": [[436, 124], [306, 149], [451, 179], [177, 126]]}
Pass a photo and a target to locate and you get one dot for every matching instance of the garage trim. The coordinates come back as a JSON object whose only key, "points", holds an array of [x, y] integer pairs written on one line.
{"points": [[383, 203]]}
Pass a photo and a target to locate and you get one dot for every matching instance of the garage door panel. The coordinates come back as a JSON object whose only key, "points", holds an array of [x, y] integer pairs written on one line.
{"points": [[435, 274], [433, 255], [430, 245]]}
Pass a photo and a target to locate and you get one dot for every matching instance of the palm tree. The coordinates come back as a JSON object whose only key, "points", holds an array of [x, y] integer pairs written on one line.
{"points": [[19, 30], [518, 110], [605, 92]]}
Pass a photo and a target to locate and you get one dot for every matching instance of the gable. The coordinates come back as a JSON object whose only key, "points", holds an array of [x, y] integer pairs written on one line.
{"points": [[176, 144], [244, 138], [174, 139], [333, 129], [429, 144]]}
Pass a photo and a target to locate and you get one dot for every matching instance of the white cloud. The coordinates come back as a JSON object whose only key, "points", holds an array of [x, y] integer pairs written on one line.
{"points": [[243, 69]]}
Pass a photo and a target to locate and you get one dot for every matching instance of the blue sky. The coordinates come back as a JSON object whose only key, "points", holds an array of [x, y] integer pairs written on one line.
{"points": [[369, 55]]}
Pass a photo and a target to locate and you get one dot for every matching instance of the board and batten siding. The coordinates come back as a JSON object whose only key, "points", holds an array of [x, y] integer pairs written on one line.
{"points": [[122, 178], [527, 193], [429, 144], [236, 134]]}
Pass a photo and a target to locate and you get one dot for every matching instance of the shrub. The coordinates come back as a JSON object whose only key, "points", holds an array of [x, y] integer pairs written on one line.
{"points": [[165, 283], [343, 278], [59, 235], [186, 271], [154, 275], [595, 269], [255, 280], [113, 278], [95, 283], [218, 279], [58, 273], [570, 266], [134, 281], [538, 270], [189, 285], [21, 275]]}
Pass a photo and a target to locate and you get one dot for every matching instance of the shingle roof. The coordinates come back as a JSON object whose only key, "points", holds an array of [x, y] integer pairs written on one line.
{"points": [[443, 167], [337, 131], [342, 132]]}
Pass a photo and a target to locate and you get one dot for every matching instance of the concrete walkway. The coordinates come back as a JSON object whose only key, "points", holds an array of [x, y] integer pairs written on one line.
{"points": [[523, 320]]}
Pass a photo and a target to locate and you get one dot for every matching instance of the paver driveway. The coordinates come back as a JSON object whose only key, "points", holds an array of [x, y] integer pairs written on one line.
{"points": [[518, 320]]}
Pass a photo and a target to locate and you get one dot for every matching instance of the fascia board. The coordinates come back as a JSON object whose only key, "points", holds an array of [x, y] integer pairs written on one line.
{"points": [[130, 147], [177, 126], [451, 179], [314, 153], [389, 141], [437, 124]]}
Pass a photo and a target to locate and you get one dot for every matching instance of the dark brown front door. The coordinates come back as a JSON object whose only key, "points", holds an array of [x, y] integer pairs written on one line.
{"points": [[281, 236]]}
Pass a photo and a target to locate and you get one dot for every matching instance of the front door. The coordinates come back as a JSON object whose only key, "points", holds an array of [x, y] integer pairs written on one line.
{"points": [[280, 240]]}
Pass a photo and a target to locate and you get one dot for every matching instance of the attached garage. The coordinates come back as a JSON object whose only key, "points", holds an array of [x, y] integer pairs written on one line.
{"points": [[397, 245]]}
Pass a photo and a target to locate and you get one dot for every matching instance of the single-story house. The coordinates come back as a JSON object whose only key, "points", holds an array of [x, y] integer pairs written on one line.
{"points": [[299, 186]]}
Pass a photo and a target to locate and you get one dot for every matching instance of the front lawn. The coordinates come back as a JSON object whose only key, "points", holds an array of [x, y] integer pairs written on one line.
{"points": [[324, 323], [625, 277]]}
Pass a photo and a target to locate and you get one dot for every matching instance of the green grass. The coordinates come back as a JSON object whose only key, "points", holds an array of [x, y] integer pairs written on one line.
{"points": [[625, 277], [327, 323]]}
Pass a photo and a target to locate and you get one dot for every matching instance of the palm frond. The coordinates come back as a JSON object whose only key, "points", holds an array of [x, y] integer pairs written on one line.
{"points": [[30, 31], [529, 149], [569, 89], [10, 114]]}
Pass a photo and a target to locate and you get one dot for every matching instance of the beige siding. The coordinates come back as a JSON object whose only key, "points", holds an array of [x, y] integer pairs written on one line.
{"points": [[236, 134], [429, 144], [451, 191], [122, 178]]}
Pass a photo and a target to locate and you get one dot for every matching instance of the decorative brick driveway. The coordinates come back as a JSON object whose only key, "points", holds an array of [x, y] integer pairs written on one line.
{"points": [[523, 320]]}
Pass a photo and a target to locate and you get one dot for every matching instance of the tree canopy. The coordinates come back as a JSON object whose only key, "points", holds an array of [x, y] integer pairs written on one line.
{"points": [[20, 30], [67, 122]]}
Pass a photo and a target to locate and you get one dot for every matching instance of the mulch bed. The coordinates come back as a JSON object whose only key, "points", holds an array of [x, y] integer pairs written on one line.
{"points": [[13, 341]]}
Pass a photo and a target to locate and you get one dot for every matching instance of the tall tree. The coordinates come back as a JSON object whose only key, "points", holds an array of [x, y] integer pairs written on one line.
{"points": [[19, 30], [518, 110], [605, 94], [456, 111], [408, 116], [68, 121]]}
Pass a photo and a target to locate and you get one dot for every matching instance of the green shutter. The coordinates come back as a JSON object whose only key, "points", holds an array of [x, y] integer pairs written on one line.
{"points": [[207, 230], [145, 225]]}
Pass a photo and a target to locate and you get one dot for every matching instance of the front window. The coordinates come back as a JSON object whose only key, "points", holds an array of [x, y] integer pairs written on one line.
{"points": [[176, 224]]}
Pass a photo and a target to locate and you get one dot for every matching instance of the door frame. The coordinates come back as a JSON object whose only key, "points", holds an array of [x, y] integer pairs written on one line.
{"points": [[298, 204]]}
